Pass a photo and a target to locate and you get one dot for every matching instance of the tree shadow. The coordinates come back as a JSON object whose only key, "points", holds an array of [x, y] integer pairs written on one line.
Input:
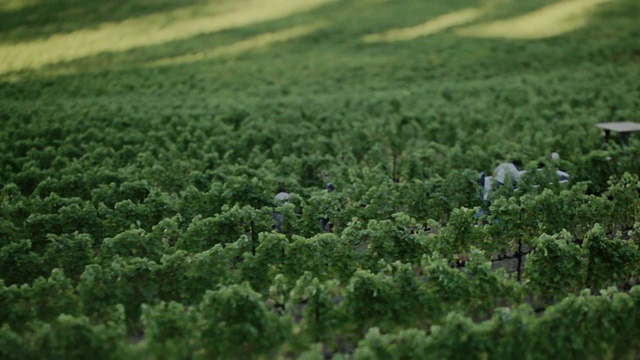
{"points": [[44, 18]]}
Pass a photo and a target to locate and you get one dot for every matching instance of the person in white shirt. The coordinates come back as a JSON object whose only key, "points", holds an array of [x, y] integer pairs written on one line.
{"points": [[281, 197]]}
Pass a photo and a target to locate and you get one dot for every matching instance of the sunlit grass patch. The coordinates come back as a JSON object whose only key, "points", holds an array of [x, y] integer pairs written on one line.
{"points": [[427, 28], [11, 5], [551, 20], [147, 30], [256, 42]]}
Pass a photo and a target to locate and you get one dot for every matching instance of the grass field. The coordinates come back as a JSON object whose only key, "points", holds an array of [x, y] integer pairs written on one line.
{"points": [[143, 142], [323, 56]]}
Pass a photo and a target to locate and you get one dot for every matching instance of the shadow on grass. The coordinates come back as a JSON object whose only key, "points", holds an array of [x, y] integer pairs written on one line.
{"points": [[44, 18]]}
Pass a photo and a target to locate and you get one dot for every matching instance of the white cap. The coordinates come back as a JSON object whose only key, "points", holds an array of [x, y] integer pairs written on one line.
{"points": [[282, 196], [555, 156]]}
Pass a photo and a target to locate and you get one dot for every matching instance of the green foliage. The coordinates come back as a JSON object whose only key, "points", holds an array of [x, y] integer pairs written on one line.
{"points": [[596, 210], [510, 224], [315, 255], [69, 337], [611, 261], [130, 243], [602, 317], [370, 299], [16, 308], [235, 320], [95, 291], [450, 285], [169, 330], [12, 346], [18, 263], [508, 333], [290, 216], [204, 271], [44, 300], [70, 253], [315, 353], [315, 303], [624, 193], [134, 282], [417, 304], [556, 267], [463, 230], [137, 183], [322, 205], [554, 212], [167, 231], [52, 296], [456, 338], [461, 189], [225, 227], [259, 268], [489, 289], [519, 332], [376, 346]]}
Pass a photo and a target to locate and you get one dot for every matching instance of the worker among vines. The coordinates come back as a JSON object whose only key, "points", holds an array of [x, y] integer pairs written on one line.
{"points": [[281, 197], [325, 208], [327, 204]]}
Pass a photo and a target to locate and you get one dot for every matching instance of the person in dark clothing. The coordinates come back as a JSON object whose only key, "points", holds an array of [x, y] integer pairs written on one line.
{"points": [[325, 223]]}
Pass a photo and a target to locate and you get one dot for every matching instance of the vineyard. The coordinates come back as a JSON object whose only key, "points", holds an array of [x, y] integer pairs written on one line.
{"points": [[143, 144]]}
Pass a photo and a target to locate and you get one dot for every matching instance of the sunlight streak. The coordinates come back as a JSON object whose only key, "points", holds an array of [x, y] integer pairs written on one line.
{"points": [[256, 42], [147, 30], [427, 28], [552, 20]]}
